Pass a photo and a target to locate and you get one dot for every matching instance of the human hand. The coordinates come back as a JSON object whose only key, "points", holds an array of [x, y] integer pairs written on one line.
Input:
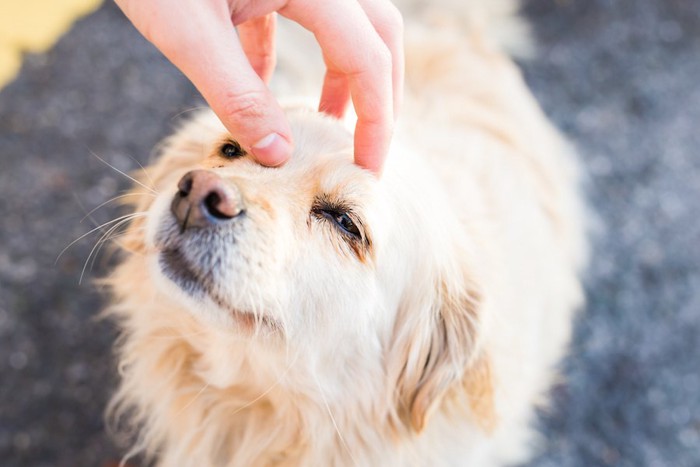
{"points": [[362, 46]]}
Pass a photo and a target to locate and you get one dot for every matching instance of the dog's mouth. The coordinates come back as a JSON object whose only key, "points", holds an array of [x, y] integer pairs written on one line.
{"points": [[179, 270], [199, 284]]}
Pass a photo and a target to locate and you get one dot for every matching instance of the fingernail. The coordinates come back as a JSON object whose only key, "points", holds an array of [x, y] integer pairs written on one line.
{"points": [[272, 150]]}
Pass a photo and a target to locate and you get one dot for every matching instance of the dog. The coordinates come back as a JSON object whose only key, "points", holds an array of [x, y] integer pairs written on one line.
{"points": [[315, 314]]}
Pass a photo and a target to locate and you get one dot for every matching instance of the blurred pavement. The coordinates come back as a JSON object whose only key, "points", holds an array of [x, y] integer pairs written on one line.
{"points": [[620, 77]]}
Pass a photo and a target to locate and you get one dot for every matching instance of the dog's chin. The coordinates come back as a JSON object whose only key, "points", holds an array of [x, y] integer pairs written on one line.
{"points": [[196, 290]]}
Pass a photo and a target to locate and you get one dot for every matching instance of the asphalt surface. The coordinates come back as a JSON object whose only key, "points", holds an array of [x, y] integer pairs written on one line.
{"points": [[621, 78]]}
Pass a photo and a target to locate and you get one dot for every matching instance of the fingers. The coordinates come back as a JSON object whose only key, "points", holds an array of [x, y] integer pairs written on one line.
{"points": [[335, 95], [364, 56], [362, 44], [388, 23], [207, 50], [257, 37]]}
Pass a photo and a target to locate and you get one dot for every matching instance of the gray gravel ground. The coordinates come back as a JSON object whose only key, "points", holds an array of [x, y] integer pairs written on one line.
{"points": [[619, 77]]}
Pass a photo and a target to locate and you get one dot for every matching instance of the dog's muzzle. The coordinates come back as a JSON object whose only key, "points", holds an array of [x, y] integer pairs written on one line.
{"points": [[204, 199]]}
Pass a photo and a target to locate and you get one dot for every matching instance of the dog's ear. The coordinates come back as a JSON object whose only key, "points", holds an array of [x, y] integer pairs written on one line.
{"points": [[440, 355]]}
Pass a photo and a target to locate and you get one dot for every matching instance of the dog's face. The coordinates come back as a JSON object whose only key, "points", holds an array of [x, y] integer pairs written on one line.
{"points": [[283, 253], [318, 256]]}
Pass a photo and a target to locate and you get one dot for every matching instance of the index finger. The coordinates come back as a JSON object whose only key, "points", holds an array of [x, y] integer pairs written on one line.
{"points": [[206, 48], [353, 47]]}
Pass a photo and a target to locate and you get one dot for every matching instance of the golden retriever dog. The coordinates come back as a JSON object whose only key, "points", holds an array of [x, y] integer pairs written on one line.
{"points": [[314, 314]]}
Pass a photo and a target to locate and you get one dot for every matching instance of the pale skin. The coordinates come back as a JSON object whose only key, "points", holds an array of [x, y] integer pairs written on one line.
{"points": [[362, 44]]}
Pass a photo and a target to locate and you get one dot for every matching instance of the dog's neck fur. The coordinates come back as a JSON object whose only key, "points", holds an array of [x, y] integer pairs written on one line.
{"points": [[253, 418]]}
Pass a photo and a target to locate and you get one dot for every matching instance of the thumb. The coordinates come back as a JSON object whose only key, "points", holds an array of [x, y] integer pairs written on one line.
{"points": [[207, 50]]}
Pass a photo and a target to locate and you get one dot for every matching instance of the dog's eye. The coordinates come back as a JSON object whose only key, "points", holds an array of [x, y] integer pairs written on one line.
{"points": [[345, 223], [232, 150], [342, 220]]}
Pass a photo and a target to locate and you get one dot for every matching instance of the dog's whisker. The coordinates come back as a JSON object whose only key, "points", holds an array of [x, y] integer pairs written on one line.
{"points": [[96, 248], [152, 190], [126, 220], [88, 214], [113, 238], [99, 227], [126, 248], [143, 169], [191, 109]]}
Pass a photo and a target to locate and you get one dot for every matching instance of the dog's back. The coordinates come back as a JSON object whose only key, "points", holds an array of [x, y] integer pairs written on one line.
{"points": [[515, 183]]}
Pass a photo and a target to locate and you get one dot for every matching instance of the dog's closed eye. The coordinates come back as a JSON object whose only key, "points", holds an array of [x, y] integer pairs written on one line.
{"points": [[340, 219], [343, 220]]}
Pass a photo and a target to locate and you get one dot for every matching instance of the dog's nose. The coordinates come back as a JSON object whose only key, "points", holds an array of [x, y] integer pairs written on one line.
{"points": [[204, 199]]}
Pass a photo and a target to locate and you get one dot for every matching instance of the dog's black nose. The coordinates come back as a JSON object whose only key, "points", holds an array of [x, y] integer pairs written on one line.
{"points": [[204, 199]]}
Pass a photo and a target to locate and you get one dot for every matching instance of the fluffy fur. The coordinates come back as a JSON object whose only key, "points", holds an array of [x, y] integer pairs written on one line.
{"points": [[427, 341]]}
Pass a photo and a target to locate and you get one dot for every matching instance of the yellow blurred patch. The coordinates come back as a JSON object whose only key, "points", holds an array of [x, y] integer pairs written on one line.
{"points": [[34, 26]]}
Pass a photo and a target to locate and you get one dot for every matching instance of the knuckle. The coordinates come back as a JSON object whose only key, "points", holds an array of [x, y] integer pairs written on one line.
{"points": [[374, 119], [244, 106]]}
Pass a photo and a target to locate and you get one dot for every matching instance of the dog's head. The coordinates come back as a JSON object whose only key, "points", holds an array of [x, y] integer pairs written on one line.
{"points": [[368, 280]]}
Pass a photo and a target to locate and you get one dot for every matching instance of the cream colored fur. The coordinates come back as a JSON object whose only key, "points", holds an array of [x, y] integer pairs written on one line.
{"points": [[431, 346]]}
